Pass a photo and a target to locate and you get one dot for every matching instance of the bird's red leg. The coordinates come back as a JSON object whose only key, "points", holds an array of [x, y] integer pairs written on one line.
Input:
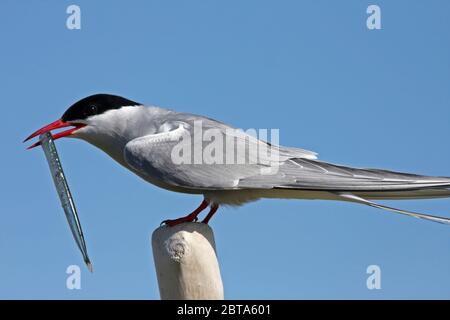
{"points": [[189, 218], [211, 212]]}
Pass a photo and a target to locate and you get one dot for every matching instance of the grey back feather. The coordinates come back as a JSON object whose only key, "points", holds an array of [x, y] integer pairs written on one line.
{"points": [[292, 168]]}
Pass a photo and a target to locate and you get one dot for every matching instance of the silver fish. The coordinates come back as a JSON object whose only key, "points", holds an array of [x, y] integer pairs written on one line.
{"points": [[64, 194]]}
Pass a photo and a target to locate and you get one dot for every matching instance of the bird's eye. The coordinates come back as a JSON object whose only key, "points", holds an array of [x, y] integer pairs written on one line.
{"points": [[91, 110]]}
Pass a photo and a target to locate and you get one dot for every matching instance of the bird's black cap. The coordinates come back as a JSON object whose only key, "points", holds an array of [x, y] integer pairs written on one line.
{"points": [[95, 104]]}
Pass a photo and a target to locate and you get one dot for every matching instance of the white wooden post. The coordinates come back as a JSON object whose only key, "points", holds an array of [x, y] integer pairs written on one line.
{"points": [[186, 262]]}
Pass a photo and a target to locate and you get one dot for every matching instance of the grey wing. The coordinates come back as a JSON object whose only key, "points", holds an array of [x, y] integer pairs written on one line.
{"points": [[158, 155], [170, 157], [356, 185], [307, 174]]}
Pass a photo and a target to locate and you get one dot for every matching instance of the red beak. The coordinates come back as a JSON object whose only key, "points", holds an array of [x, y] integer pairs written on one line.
{"points": [[53, 126]]}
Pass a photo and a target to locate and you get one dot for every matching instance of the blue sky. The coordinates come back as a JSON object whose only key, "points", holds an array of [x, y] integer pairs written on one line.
{"points": [[312, 69]]}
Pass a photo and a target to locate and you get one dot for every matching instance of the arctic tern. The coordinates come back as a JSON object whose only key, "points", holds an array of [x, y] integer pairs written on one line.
{"points": [[142, 139]]}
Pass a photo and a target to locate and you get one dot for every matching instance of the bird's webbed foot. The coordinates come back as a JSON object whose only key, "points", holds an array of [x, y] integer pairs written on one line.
{"points": [[192, 217]]}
